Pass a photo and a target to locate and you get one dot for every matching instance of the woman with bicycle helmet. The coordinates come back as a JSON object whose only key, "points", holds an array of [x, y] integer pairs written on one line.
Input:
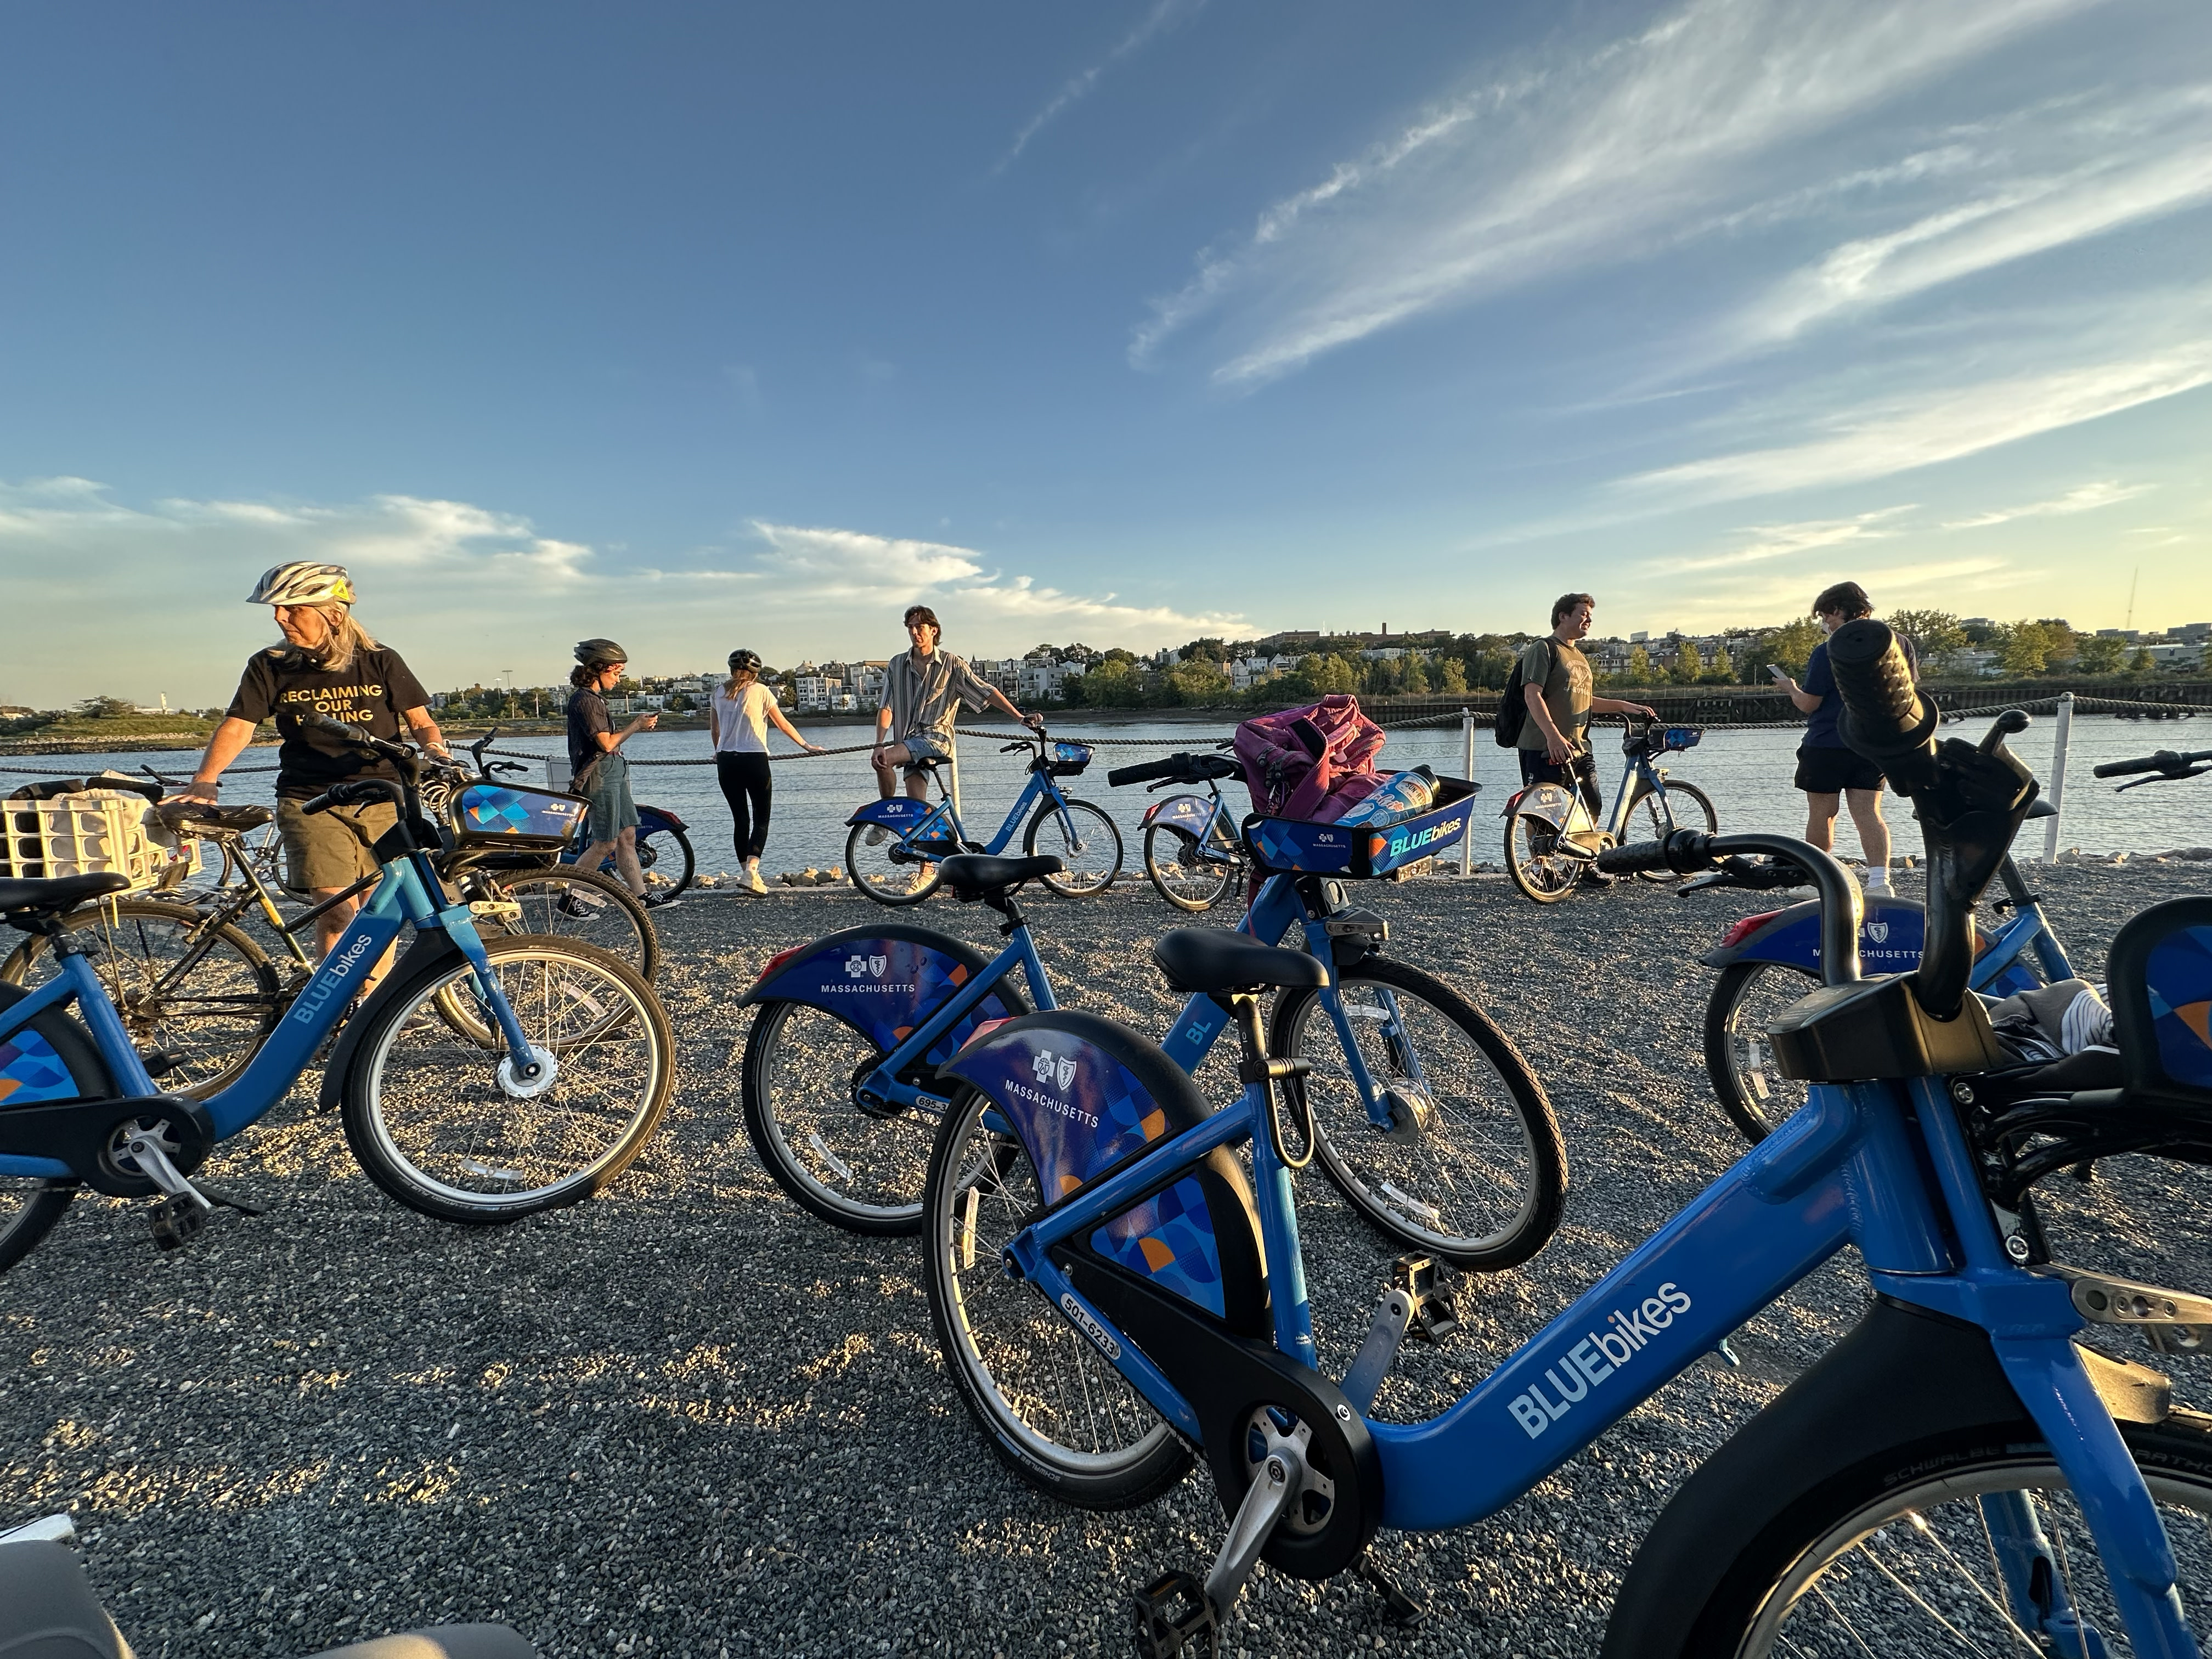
{"points": [[598, 771], [326, 664], [738, 717]]}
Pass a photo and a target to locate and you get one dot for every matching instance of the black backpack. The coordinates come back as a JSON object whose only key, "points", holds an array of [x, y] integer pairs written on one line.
{"points": [[1512, 705]]}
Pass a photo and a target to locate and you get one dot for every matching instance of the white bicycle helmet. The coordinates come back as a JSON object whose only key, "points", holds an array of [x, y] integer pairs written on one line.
{"points": [[302, 582]]}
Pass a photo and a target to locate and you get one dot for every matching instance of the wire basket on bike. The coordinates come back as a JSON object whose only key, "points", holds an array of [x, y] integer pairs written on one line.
{"points": [[1063, 759]]}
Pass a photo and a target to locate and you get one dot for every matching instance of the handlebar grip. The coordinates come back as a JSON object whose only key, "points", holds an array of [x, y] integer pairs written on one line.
{"points": [[352, 792], [1885, 718], [1146, 771], [2165, 760], [1684, 852], [329, 727]]}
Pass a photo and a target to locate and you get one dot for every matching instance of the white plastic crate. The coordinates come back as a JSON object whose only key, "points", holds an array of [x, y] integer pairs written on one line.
{"points": [[89, 832]]}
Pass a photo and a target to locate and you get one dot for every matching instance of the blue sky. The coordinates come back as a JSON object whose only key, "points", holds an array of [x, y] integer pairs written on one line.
{"points": [[713, 325]]}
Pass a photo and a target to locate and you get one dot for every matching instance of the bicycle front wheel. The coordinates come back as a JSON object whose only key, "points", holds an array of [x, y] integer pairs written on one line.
{"points": [[1054, 1411], [1473, 1170], [1646, 819], [871, 866], [1180, 871], [1092, 852], [1535, 832], [858, 1169], [566, 902], [439, 1120], [1739, 1056], [1901, 1554], [196, 995]]}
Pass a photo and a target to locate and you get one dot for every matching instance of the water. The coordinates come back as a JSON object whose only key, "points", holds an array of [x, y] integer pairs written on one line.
{"points": [[1746, 772]]}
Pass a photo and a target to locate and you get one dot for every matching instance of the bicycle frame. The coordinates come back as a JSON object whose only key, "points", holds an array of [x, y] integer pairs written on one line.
{"points": [[941, 821], [404, 896], [1882, 1166]]}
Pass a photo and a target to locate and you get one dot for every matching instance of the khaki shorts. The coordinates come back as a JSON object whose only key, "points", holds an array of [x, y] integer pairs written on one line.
{"points": [[321, 851]]}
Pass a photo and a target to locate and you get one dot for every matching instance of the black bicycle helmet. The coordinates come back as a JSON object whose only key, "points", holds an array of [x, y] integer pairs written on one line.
{"points": [[600, 654], [741, 659]]}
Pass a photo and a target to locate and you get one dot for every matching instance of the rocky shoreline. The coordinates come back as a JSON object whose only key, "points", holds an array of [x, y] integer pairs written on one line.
{"points": [[688, 1419]]}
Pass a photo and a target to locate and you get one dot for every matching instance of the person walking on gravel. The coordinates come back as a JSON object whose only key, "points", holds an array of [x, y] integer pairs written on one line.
{"points": [[597, 771], [1555, 681], [923, 691], [1830, 771], [327, 664], [737, 718]]}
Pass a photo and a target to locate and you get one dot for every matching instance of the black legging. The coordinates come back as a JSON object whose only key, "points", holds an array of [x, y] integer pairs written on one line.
{"points": [[745, 785]]}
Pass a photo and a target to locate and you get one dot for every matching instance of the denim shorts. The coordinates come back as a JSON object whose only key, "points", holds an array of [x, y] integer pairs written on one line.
{"points": [[606, 789]]}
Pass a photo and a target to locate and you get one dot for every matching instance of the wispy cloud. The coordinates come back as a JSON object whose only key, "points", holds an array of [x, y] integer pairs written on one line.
{"points": [[1766, 595], [1783, 541], [1901, 434], [2106, 492], [1079, 86], [1566, 164]]}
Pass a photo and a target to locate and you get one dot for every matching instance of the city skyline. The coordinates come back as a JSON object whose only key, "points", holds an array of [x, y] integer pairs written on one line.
{"points": [[1148, 320]]}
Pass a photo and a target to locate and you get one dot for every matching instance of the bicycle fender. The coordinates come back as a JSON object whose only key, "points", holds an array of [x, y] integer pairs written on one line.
{"points": [[1086, 1096], [1889, 938], [886, 980], [1186, 812], [653, 819], [1903, 1377], [901, 813], [431, 952]]}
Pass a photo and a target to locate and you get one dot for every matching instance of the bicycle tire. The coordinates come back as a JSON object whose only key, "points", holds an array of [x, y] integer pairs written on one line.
{"points": [[1750, 1097], [199, 1019], [1020, 1421], [617, 923], [1189, 868], [592, 1012], [1072, 882], [30, 1205], [1708, 821], [649, 857], [1922, 1504], [857, 851], [1531, 826], [1497, 1114]]}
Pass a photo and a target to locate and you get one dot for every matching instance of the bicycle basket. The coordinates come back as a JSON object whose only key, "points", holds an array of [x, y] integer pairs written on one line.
{"points": [[502, 815], [1656, 740], [1679, 737], [1065, 760]]}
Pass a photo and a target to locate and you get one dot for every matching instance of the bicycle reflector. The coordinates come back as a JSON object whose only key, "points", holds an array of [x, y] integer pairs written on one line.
{"points": [[777, 962], [1743, 929]]}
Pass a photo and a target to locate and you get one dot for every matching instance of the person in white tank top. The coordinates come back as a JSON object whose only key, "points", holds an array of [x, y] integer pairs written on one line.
{"points": [[739, 716]]}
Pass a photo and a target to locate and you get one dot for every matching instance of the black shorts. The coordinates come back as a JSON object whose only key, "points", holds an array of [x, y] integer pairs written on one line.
{"points": [[1579, 772], [1831, 771]]}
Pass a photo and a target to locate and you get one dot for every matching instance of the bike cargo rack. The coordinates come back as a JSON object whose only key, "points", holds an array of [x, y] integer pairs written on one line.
{"points": [[1362, 852]]}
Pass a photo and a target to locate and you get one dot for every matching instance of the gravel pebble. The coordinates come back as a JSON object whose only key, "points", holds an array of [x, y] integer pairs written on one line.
{"points": [[688, 1418]]}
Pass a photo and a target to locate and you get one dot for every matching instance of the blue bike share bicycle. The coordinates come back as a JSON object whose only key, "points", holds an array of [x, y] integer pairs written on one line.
{"points": [[896, 847], [1193, 852], [1424, 1113], [1956, 1475], [1551, 837], [481, 1081]]}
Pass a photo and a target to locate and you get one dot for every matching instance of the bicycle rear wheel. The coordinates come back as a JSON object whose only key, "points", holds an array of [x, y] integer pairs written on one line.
{"points": [[893, 880], [1054, 1411], [1739, 1057], [437, 1121], [52, 1052], [1534, 833], [1646, 820], [1475, 1172], [566, 902], [196, 995], [1181, 872], [1093, 854]]}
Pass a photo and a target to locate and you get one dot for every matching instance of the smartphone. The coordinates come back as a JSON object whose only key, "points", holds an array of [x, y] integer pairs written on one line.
{"points": [[1774, 669]]}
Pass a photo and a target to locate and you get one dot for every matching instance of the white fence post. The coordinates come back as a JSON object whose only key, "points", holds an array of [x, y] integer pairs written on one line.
{"points": [[2058, 776], [1466, 840]]}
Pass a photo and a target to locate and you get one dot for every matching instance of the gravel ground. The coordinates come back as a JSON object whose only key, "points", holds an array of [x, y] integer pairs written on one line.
{"points": [[688, 1418]]}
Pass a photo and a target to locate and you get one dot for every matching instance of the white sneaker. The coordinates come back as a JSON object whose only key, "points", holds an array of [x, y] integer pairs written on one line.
{"points": [[753, 882]]}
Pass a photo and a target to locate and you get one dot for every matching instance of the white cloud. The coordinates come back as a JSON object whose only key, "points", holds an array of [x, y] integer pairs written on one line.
{"points": [[1783, 541], [1765, 596], [1900, 435], [1567, 164], [2089, 498], [1078, 86]]}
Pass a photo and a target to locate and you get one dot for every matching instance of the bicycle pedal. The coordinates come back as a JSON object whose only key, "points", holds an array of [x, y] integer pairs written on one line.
{"points": [[1403, 1610], [1426, 1282], [176, 1223], [1175, 1619]]}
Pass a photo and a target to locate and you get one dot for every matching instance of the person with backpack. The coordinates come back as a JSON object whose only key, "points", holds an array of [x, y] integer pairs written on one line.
{"points": [[1547, 702]]}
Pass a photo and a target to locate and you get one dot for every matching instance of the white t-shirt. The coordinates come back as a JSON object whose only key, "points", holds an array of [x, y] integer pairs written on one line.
{"points": [[742, 719]]}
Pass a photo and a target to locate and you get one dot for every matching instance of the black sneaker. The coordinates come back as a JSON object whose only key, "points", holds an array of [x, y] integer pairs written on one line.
{"points": [[659, 900]]}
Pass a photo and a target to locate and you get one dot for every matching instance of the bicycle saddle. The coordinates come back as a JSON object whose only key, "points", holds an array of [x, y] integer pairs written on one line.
{"points": [[1206, 960], [26, 902], [970, 875], [198, 815]]}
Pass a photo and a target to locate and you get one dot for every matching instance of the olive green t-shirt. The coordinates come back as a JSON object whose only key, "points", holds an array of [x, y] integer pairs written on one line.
{"points": [[1564, 674]]}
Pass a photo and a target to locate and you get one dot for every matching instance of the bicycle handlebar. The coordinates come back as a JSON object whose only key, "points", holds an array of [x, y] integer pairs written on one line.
{"points": [[1686, 851], [1166, 771], [2170, 763], [355, 792]]}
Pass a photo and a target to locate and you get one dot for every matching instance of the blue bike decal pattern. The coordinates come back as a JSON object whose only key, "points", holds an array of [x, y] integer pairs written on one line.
{"points": [[2180, 986], [488, 809], [1186, 812], [1079, 1112], [31, 1071], [1889, 939], [885, 987], [1292, 844]]}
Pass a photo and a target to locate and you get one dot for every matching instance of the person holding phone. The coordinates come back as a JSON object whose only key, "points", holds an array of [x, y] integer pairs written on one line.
{"points": [[1829, 771], [598, 771]]}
